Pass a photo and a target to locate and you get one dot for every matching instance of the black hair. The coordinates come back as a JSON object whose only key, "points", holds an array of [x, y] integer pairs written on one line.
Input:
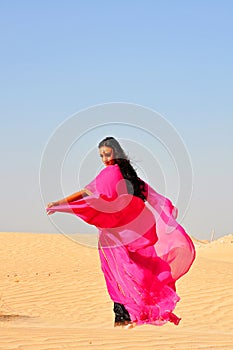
{"points": [[134, 184]]}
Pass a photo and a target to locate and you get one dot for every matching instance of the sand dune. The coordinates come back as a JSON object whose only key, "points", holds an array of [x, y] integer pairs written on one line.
{"points": [[53, 296]]}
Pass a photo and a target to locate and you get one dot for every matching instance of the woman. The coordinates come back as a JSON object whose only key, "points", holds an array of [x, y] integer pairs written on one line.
{"points": [[143, 250]]}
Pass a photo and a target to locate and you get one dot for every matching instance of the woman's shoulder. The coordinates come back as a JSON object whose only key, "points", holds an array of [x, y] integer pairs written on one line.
{"points": [[110, 172], [110, 168]]}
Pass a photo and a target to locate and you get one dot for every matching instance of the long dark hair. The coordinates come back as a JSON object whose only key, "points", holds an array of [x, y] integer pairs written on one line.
{"points": [[134, 184]]}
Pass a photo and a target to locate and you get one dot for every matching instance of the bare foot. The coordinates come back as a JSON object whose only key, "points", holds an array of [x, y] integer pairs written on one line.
{"points": [[130, 325], [125, 324]]}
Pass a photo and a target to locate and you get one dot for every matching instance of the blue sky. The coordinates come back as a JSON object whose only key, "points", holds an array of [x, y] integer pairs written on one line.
{"points": [[171, 56]]}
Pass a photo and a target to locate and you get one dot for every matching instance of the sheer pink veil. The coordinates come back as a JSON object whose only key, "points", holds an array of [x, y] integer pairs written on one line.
{"points": [[174, 245]]}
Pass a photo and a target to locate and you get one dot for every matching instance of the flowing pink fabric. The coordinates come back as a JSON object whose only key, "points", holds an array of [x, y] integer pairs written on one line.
{"points": [[142, 248]]}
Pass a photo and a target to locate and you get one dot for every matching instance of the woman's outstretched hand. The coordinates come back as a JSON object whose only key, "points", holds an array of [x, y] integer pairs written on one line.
{"points": [[52, 204], [73, 197]]}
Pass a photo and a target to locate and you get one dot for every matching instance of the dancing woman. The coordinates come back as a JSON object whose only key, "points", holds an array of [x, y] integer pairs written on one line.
{"points": [[142, 248]]}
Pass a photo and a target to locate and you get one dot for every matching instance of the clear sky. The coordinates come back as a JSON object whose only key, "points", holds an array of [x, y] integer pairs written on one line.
{"points": [[174, 57]]}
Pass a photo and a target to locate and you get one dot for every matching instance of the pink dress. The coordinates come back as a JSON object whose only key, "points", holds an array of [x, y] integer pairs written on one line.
{"points": [[142, 248]]}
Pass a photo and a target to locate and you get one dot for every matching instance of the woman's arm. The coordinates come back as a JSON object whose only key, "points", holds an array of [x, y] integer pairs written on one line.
{"points": [[73, 197]]}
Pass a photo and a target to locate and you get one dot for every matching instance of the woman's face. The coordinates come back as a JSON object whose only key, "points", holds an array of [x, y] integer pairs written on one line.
{"points": [[107, 155]]}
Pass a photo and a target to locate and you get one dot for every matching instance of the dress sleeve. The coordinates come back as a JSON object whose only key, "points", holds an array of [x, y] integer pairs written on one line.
{"points": [[91, 187], [109, 182]]}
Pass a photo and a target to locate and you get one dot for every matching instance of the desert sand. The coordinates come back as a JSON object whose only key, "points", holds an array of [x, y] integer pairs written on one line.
{"points": [[53, 296]]}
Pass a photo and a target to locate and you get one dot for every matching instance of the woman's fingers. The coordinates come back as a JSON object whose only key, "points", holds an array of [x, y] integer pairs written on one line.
{"points": [[50, 204], [50, 212]]}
